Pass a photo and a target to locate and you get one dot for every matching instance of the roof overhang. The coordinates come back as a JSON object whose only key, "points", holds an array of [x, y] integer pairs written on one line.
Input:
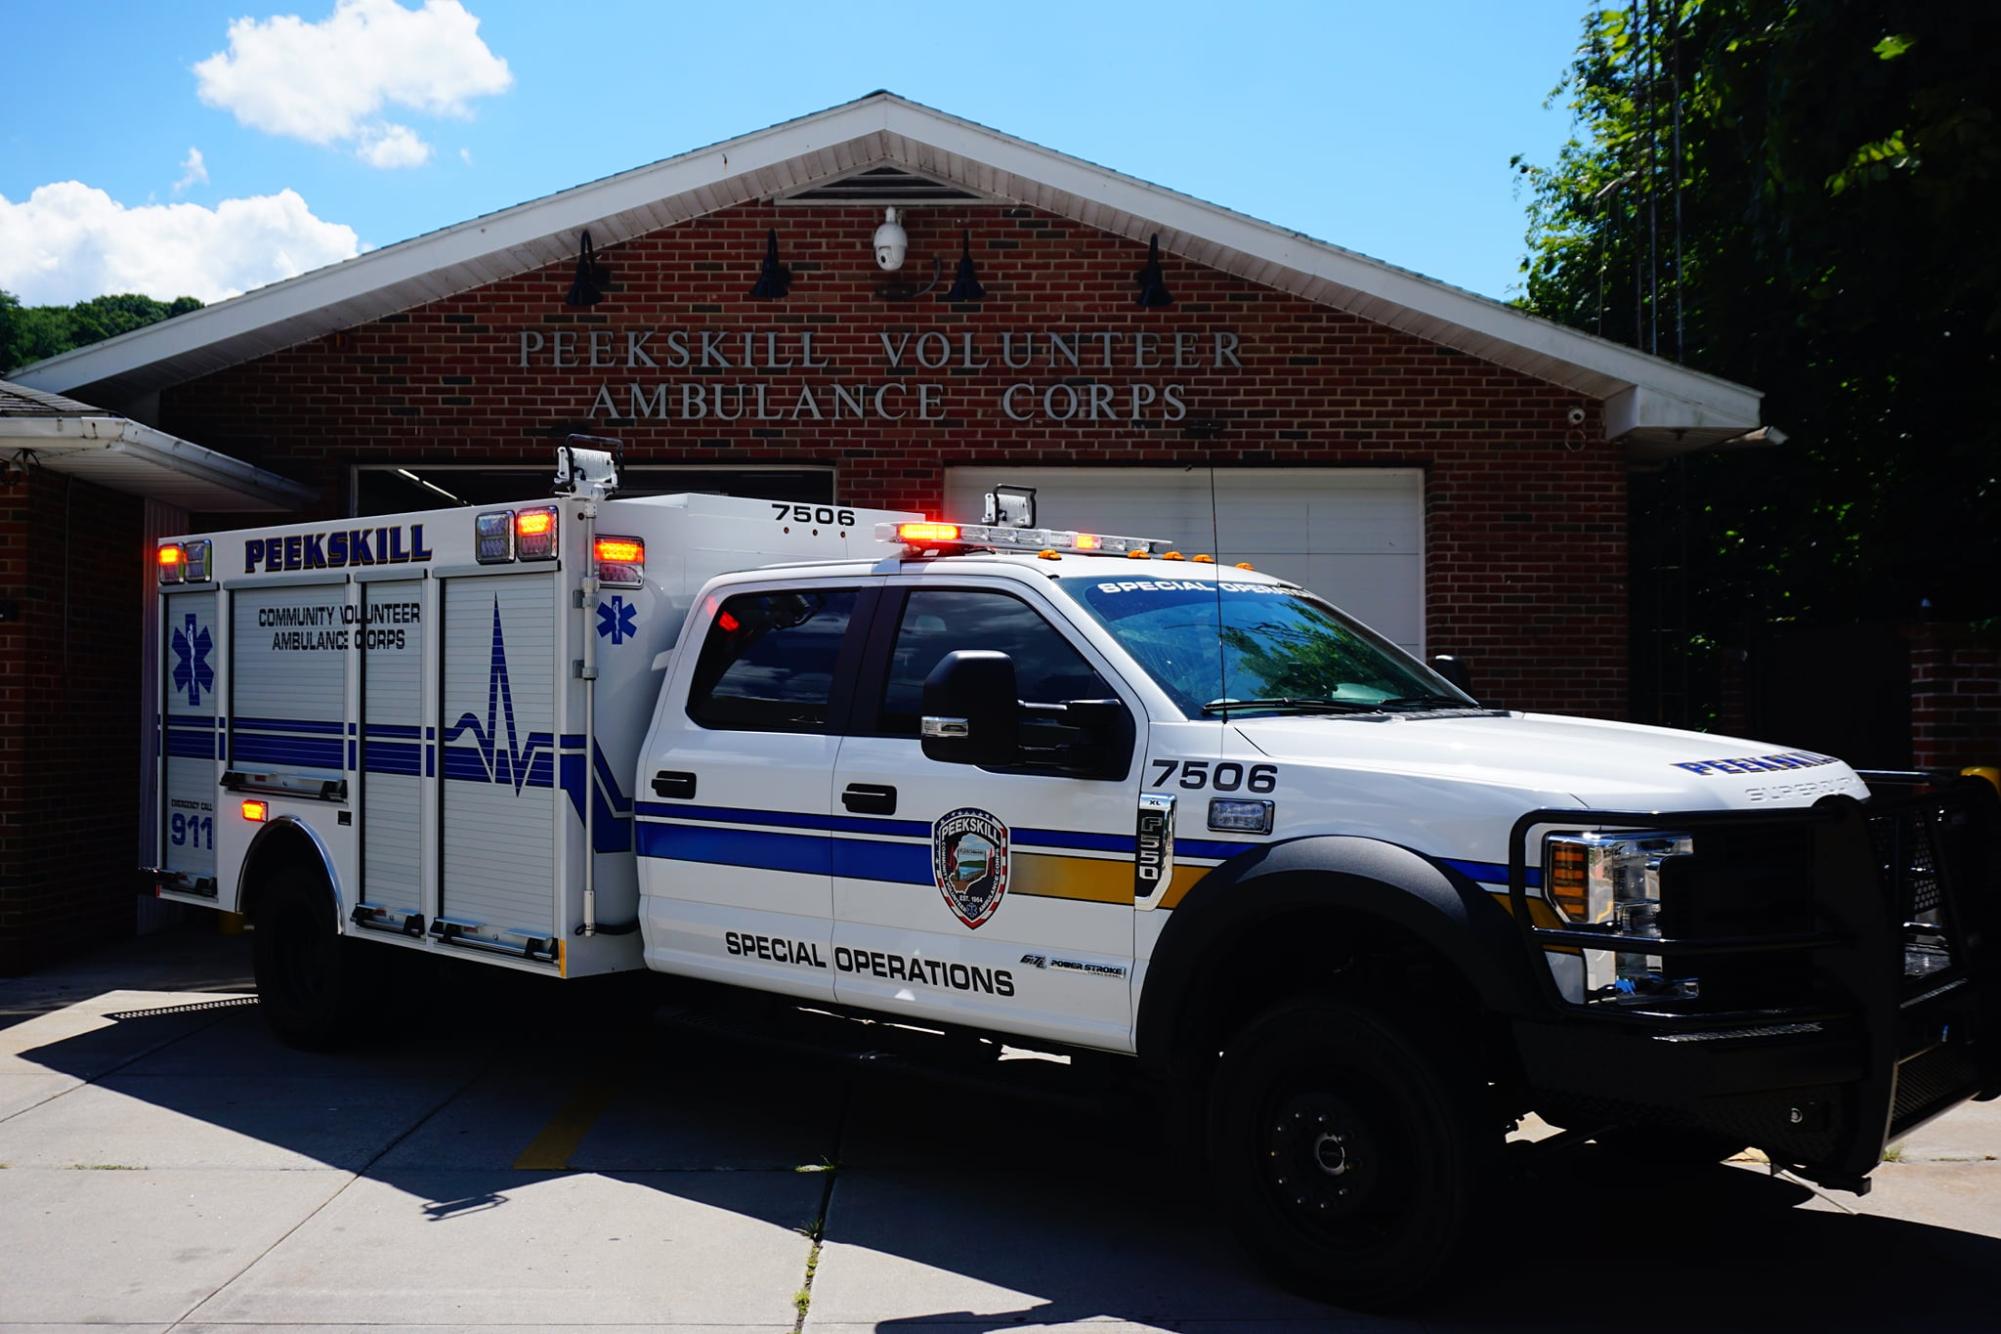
{"points": [[1672, 408], [124, 455]]}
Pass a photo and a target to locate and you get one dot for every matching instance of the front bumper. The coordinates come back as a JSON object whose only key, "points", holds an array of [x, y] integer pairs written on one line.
{"points": [[1853, 1054]]}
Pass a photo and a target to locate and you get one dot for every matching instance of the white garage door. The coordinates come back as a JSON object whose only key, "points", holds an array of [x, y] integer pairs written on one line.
{"points": [[1353, 535]]}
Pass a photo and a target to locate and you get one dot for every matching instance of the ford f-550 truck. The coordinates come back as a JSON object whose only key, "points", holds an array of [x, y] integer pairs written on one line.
{"points": [[1076, 791]]}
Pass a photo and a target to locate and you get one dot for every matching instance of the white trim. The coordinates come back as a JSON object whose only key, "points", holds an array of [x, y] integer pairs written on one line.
{"points": [[884, 128], [190, 476]]}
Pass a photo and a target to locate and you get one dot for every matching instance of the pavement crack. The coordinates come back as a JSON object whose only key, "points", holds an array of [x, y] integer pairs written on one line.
{"points": [[802, 1300]]}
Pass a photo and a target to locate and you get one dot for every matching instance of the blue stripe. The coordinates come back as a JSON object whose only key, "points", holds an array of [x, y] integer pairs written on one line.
{"points": [[290, 725], [898, 863], [1071, 838], [186, 745], [392, 757], [806, 854], [1490, 873], [287, 750], [1209, 848]]}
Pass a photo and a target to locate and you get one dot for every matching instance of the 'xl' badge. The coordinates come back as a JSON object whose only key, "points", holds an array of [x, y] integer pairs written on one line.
{"points": [[969, 862]]}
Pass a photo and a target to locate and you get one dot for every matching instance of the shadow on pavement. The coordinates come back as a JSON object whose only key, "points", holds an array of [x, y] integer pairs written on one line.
{"points": [[963, 1191]]}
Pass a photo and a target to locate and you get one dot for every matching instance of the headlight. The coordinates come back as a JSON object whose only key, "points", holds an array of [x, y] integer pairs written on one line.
{"points": [[1614, 880]]}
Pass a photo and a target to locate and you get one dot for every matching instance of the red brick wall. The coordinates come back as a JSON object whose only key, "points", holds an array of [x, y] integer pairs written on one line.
{"points": [[72, 559], [1525, 515], [1955, 696]]}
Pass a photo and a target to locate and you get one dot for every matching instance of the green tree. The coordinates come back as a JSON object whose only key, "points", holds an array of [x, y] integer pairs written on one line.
{"points": [[1798, 196], [30, 333]]}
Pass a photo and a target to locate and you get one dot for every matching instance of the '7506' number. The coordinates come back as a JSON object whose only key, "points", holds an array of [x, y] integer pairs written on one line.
{"points": [[783, 512], [1221, 775]]}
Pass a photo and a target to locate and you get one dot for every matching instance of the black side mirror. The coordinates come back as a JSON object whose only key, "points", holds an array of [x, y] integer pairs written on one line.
{"points": [[971, 715], [1453, 670]]}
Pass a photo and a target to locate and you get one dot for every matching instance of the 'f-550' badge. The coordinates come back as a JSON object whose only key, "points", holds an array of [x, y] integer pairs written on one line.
{"points": [[969, 862]]}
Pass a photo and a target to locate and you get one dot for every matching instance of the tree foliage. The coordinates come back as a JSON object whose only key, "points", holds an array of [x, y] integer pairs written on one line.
{"points": [[1837, 171], [30, 333]]}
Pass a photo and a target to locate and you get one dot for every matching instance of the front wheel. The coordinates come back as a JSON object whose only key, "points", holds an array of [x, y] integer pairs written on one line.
{"points": [[1341, 1155]]}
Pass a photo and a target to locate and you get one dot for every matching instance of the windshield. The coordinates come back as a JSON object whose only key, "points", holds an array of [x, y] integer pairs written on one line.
{"points": [[1279, 646]]}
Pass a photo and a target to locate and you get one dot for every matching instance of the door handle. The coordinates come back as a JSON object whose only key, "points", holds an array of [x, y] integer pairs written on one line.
{"points": [[870, 799], [673, 783]]}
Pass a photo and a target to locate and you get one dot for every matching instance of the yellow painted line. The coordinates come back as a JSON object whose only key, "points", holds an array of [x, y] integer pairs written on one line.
{"points": [[1053, 876], [550, 1150]]}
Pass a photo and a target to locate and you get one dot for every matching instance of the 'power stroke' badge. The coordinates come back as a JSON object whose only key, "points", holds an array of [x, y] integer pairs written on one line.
{"points": [[969, 862]]}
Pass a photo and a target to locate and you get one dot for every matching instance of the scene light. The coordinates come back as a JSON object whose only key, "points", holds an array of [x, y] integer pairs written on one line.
{"points": [[257, 812]]}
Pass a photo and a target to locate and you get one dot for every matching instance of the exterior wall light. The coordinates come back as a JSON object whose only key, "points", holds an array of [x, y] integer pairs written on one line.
{"points": [[774, 280], [966, 283], [1152, 282]]}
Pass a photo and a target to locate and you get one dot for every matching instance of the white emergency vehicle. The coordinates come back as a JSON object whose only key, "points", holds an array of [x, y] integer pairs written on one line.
{"points": [[1077, 791]]}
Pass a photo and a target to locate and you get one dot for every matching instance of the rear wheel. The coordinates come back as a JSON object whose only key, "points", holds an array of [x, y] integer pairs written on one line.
{"points": [[310, 979], [1342, 1155]]}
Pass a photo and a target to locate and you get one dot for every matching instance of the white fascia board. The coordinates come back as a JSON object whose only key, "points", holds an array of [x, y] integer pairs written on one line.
{"points": [[53, 437], [1644, 408]]}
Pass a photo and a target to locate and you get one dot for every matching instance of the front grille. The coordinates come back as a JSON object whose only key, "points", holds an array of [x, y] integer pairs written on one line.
{"points": [[1907, 853]]}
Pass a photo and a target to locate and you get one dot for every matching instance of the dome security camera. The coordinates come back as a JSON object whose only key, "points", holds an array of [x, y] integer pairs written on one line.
{"points": [[892, 243]]}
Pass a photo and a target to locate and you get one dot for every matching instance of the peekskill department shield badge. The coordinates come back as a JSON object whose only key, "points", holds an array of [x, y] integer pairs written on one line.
{"points": [[969, 862]]}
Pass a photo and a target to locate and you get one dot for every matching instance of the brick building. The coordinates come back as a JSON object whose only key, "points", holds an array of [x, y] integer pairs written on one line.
{"points": [[1447, 468]]}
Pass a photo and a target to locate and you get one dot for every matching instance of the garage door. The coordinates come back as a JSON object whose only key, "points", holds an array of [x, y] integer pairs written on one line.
{"points": [[1355, 536]]}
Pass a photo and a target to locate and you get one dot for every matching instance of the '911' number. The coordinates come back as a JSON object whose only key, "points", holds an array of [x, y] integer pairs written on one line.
{"points": [[1221, 775]]}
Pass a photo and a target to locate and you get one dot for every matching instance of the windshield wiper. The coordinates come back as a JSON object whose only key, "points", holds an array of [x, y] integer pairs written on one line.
{"points": [[1290, 702], [1424, 701]]}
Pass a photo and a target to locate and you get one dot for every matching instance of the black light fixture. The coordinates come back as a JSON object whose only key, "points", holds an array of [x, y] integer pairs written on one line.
{"points": [[1152, 282], [966, 283], [587, 288], [774, 280]]}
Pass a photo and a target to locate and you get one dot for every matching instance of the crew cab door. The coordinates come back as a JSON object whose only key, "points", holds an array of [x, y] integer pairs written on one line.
{"points": [[732, 821], [998, 897]]}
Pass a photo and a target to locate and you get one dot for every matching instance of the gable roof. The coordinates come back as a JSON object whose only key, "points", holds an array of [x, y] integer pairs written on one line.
{"points": [[1654, 403]]}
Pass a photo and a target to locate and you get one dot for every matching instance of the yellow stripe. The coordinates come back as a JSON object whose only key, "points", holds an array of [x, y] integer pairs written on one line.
{"points": [[1185, 878], [550, 1151], [1046, 875]]}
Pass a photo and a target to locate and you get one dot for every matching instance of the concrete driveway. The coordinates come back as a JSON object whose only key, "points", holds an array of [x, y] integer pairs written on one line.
{"points": [[518, 1160]]}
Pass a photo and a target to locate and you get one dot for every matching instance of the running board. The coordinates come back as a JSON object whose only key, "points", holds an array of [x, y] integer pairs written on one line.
{"points": [[532, 949]]}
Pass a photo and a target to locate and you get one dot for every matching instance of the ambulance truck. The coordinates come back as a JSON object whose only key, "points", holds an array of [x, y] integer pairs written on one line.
{"points": [[1072, 791]]}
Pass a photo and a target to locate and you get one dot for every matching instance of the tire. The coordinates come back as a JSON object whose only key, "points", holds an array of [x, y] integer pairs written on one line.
{"points": [[1344, 1154], [310, 979]]}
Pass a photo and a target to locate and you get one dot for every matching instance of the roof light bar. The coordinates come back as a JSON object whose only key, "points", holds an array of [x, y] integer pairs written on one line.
{"points": [[930, 536]]}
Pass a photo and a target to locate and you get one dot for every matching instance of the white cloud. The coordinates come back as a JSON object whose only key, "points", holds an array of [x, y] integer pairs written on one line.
{"points": [[392, 146], [194, 171], [326, 82], [69, 241], [465, 156]]}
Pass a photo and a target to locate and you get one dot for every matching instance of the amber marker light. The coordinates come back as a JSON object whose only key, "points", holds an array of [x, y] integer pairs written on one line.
{"points": [[1567, 881], [1174, 555], [1245, 565], [1088, 542], [1204, 560], [621, 550], [257, 812], [533, 523], [171, 556], [1138, 553]]}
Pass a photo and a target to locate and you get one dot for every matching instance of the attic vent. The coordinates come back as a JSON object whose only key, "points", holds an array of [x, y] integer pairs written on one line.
{"points": [[884, 187]]}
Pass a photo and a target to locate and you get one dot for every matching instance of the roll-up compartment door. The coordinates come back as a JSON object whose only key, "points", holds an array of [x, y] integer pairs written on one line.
{"points": [[498, 752], [393, 744], [288, 680], [188, 734]]}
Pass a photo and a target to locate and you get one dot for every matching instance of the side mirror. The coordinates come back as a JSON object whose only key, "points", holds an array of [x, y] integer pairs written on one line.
{"points": [[971, 715], [1453, 670]]}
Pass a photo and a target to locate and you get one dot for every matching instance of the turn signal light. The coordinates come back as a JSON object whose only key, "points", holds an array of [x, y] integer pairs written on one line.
{"points": [[926, 534], [1567, 881], [257, 812]]}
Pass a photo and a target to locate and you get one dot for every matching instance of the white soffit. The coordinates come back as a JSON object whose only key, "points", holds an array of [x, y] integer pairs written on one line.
{"points": [[884, 128]]}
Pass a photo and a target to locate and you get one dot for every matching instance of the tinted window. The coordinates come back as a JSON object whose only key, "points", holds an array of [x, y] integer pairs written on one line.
{"points": [[1047, 669], [768, 664]]}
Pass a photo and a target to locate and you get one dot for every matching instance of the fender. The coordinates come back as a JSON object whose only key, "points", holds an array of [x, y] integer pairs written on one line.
{"points": [[1365, 876], [265, 844]]}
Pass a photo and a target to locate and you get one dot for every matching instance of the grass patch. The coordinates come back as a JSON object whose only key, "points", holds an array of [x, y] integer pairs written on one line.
{"points": [[105, 1167], [1894, 1154]]}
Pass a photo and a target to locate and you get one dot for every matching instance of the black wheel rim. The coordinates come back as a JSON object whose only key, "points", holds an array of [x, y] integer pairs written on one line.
{"points": [[1333, 1162]]}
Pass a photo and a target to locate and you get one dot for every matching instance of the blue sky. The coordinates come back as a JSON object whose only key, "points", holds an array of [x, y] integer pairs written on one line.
{"points": [[1386, 128]]}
